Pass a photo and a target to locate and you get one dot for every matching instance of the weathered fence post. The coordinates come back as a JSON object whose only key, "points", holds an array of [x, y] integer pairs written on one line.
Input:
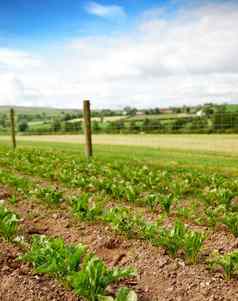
{"points": [[13, 131], [87, 128]]}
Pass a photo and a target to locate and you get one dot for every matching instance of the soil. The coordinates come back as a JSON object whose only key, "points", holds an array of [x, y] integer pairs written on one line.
{"points": [[160, 277]]}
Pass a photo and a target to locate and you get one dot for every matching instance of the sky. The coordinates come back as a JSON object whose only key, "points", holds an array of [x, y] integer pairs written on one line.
{"points": [[139, 53]]}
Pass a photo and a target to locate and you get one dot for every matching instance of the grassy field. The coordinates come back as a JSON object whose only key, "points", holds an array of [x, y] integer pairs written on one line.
{"points": [[226, 144], [219, 152]]}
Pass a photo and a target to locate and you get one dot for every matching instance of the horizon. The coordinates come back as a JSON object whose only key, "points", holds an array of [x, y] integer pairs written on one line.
{"points": [[115, 109], [118, 53]]}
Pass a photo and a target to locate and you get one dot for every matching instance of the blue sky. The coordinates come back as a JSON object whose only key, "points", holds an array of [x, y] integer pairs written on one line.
{"points": [[29, 23], [145, 52]]}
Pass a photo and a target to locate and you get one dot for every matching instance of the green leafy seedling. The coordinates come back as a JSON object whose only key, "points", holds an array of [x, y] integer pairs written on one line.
{"points": [[8, 223]]}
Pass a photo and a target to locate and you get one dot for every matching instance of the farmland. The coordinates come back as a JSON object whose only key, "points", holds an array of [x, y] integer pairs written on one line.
{"points": [[155, 224]]}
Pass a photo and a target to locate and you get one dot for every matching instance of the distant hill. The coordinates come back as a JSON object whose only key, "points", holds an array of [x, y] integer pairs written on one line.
{"points": [[37, 110]]}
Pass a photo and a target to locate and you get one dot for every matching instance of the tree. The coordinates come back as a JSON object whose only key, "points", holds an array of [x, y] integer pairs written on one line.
{"points": [[23, 126], [56, 125], [130, 111], [95, 126]]}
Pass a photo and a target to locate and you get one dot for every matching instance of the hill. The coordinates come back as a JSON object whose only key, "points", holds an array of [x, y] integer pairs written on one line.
{"points": [[48, 111]]}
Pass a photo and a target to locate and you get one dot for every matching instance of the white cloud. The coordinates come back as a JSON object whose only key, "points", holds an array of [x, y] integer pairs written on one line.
{"points": [[105, 11], [189, 59]]}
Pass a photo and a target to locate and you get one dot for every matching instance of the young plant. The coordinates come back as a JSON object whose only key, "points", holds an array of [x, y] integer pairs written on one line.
{"points": [[8, 223], [213, 215], [230, 219], [152, 201], [193, 242], [52, 256], [172, 239], [121, 220], [83, 209], [228, 262], [94, 277], [50, 195], [166, 202]]}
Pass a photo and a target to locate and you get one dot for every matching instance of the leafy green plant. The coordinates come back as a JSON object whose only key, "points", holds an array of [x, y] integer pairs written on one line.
{"points": [[228, 262], [50, 195], [166, 202], [230, 219], [94, 277], [213, 215], [172, 239], [121, 220], [8, 223], [52, 256], [193, 242], [84, 209], [152, 201]]}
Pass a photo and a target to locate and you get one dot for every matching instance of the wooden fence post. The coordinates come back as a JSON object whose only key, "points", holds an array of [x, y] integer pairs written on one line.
{"points": [[13, 130], [87, 128]]}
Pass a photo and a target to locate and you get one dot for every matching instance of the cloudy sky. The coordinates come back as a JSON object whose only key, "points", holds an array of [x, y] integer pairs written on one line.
{"points": [[142, 53]]}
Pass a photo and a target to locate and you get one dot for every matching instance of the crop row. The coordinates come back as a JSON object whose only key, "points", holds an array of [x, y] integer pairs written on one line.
{"points": [[86, 273], [132, 182], [177, 240], [120, 218], [81, 270], [218, 204]]}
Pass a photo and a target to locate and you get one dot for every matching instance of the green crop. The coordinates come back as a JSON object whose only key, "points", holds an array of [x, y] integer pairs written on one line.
{"points": [[181, 238], [85, 209], [193, 242], [230, 219], [8, 223], [166, 202], [84, 272], [152, 201], [122, 220], [172, 239], [228, 262], [50, 195], [53, 257], [93, 279]]}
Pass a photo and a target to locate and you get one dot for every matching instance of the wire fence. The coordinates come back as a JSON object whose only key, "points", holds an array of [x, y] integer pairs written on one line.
{"points": [[218, 122]]}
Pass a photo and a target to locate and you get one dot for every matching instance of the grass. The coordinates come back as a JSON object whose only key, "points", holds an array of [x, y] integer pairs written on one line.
{"points": [[223, 144], [222, 160]]}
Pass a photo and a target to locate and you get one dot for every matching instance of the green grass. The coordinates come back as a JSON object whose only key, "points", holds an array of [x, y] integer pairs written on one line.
{"points": [[208, 161]]}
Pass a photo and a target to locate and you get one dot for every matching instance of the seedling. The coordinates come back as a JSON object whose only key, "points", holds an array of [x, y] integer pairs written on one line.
{"points": [[228, 262], [230, 219], [8, 223], [94, 277], [53, 257], [84, 209]]}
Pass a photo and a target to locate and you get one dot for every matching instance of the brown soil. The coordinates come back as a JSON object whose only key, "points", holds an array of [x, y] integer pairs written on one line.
{"points": [[159, 278]]}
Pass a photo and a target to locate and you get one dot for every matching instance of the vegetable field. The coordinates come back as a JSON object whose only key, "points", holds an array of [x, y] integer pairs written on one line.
{"points": [[119, 229]]}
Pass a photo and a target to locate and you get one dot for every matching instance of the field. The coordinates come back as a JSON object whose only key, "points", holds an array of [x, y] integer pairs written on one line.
{"points": [[151, 217], [226, 144]]}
